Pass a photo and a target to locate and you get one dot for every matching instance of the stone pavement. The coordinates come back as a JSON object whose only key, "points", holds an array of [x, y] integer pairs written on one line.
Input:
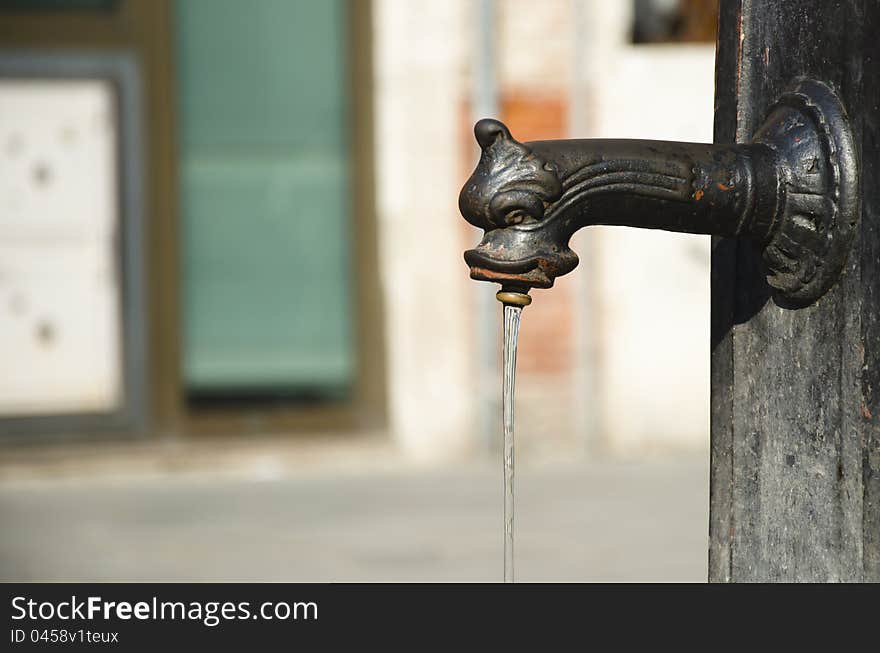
{"points": [[597, 521]]}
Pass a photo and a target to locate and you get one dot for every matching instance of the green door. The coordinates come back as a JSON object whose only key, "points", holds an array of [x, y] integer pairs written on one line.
{"points": [[264, 190]]}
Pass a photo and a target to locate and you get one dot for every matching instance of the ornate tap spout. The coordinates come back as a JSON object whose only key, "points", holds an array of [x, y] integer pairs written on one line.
{"points": [[793, 191]]}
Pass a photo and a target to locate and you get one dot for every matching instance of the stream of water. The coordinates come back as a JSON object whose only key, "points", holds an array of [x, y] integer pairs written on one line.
{"points": [[511, 334]]}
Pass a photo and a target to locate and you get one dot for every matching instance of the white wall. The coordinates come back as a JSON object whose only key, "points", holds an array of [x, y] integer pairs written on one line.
{"points": [[419, 92], [652, 306]]}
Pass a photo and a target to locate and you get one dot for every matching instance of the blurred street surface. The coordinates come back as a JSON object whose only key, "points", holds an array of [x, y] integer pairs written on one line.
{"points": [[345, 514]]}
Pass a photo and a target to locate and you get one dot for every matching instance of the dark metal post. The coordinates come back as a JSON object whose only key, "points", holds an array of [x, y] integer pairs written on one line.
{"points": [[795, 489]]}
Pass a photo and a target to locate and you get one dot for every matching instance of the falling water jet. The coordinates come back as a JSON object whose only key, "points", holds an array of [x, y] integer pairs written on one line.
{"points": [[513, 300]]}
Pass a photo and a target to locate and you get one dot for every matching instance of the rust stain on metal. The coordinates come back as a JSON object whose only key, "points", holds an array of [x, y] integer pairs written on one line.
{"points": [[492, 275]]}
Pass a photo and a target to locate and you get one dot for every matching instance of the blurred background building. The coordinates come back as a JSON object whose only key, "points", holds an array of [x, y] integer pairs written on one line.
{"points": [[232, 227]]}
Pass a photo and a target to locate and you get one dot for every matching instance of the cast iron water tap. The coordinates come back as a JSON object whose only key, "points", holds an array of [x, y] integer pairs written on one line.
{"points": [[793, 191]]}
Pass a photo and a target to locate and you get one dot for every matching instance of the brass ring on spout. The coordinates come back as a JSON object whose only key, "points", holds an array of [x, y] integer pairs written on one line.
{"points": [[508, 297]]}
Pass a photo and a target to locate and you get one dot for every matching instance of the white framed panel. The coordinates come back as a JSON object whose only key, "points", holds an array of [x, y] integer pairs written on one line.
{"points": [[60, 304], [72, 329]]}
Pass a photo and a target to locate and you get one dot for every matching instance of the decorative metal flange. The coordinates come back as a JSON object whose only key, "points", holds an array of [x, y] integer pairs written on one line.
{"points": [[818, 195]]}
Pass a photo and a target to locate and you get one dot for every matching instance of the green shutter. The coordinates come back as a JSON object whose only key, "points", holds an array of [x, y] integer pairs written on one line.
{"points": [[264, 190]]}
